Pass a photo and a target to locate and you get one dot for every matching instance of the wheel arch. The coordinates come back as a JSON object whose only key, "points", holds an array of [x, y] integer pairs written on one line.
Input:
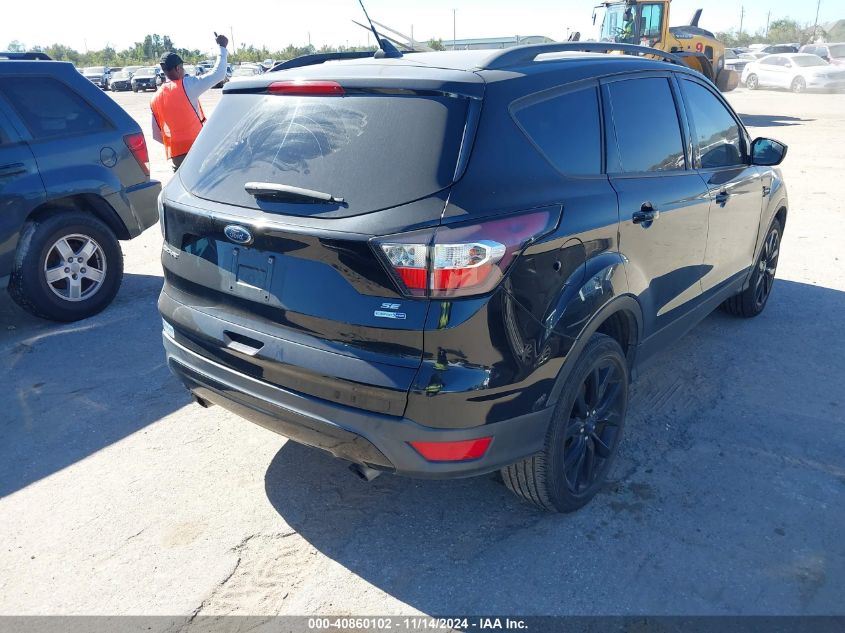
{"points": [[621, 318], [84, 203]]}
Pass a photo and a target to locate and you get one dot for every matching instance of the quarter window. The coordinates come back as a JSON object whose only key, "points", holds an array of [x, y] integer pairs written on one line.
{"points": [[49, 108], [648, 135], [717, 134], [567, 131]]}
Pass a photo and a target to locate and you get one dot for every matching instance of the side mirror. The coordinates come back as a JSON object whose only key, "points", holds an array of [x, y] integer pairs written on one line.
{"points": [[788, 65], [767, 152]]}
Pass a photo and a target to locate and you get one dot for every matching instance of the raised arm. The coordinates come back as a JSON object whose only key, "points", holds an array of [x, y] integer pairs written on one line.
{"points": [[216, 74]]}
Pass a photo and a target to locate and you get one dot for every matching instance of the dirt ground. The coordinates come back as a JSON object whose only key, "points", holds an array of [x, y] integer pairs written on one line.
{"points": [[119, 496]]}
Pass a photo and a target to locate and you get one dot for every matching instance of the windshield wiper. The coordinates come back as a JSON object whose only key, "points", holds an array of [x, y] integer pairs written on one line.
{"points": [[289, 193]]}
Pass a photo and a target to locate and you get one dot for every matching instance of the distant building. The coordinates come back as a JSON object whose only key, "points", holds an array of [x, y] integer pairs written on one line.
{"points": [[494, 42], [834, 31]]}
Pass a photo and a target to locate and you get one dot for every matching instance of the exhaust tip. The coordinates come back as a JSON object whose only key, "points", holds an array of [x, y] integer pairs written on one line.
{"points": [[363, 472], [205, 404]]}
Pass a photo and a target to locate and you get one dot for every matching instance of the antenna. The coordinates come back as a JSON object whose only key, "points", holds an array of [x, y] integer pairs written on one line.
{"points": [[387, 49]]}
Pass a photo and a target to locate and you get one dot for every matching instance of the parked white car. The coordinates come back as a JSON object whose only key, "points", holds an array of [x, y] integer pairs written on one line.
{"points": [[796, 71]]}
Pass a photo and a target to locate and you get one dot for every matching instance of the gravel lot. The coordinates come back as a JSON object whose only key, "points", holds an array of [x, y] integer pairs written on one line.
{"points": [[119, 496]]}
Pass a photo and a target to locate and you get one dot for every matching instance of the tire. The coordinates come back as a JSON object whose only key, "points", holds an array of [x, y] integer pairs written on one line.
{"points": [[752, 301], [550, 479], [134, 88], [44, 244], [799, 84], [751, 82]]}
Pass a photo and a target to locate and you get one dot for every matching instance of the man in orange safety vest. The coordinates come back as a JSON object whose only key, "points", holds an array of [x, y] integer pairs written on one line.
{"points": [[177, 113]]}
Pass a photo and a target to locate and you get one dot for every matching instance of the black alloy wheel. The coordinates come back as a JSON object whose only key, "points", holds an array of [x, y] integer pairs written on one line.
{"points": [[583, 435]]}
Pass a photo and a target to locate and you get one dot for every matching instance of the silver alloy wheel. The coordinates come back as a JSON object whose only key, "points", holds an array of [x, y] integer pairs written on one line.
{"points": [[751, 82], [75, 267]]}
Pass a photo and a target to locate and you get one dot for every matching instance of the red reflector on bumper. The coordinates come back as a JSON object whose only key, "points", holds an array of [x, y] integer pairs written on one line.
{"points": [[453, 451]]}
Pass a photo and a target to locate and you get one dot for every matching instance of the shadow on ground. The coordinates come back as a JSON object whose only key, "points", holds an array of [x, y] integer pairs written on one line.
{"points": [[772, 120], [728, 496], [71, 389]]}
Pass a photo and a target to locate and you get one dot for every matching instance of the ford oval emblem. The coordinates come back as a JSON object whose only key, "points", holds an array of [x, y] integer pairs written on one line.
{"points": [[238, 234]]}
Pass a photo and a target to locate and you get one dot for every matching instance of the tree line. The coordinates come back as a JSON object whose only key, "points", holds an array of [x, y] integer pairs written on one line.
{"points": [[782, 31], [149, 52]]}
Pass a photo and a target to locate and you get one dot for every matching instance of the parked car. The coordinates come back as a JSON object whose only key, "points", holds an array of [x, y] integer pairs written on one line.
{"points": [[778, 48], [97, 75], [121, 80], [737, 61], [797, 71], [445, 267], [831, 53], [131, 69], [246, 70], [74, 179], [145, 78]]}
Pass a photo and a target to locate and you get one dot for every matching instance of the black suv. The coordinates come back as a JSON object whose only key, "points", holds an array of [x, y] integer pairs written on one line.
{"points": [[74, 179], [450, 263]]}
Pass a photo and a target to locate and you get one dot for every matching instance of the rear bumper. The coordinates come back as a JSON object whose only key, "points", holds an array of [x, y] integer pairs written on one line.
{"points": [[370, 439], [141, 200]]}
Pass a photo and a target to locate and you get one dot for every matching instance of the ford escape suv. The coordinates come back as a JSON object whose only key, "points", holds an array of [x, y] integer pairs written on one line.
{"points": [[446, 264]]}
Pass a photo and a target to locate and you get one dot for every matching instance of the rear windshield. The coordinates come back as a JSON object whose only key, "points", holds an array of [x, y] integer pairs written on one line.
{"points": [[374, 151]]}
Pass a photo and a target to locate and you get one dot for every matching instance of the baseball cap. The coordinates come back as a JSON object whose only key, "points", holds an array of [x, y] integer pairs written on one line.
{"points": [[170, 60]]}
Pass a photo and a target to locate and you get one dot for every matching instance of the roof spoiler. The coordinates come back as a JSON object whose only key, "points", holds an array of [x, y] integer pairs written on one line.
{"points": [[319, 58], [521, 55]]}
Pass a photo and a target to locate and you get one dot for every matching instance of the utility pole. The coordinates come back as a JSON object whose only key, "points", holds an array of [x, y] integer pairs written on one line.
{"points": [[741, 18], [454, 37], [816, 23], [768, 18], [232, 33]]}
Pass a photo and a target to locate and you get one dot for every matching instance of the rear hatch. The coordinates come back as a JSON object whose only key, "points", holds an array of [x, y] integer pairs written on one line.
{"points": [[268, 227]]}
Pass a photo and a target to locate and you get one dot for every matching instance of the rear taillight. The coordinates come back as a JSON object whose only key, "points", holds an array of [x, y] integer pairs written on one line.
{"points": [[138, 146], [454, 261], [306, 88]]}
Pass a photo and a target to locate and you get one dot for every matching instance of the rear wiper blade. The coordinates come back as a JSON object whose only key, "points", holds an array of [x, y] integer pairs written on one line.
{"points": [[289, 193]]}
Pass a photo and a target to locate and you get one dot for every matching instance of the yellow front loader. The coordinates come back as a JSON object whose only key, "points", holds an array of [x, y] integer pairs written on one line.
{"points": [[647, 24]]}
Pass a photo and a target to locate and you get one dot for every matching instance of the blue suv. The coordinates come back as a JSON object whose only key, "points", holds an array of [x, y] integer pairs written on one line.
{"points": [[74, 179]]}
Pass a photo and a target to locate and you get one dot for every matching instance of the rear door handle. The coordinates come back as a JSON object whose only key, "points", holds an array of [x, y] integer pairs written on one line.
{"points": [[646, 215], [12, 169]]}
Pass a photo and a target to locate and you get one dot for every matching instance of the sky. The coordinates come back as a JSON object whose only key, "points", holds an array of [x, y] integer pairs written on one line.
{"points": [[89, 24]]}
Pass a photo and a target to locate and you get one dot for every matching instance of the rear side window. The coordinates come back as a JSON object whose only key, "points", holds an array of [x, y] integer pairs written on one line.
{"points": [[49, 108], [374, 152], [566, 130], [647, 132], [717, 134]]}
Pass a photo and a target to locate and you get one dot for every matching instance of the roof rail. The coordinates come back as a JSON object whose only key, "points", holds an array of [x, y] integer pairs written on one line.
{"points": [[520, 55], [319, 58], [32, 55]]}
